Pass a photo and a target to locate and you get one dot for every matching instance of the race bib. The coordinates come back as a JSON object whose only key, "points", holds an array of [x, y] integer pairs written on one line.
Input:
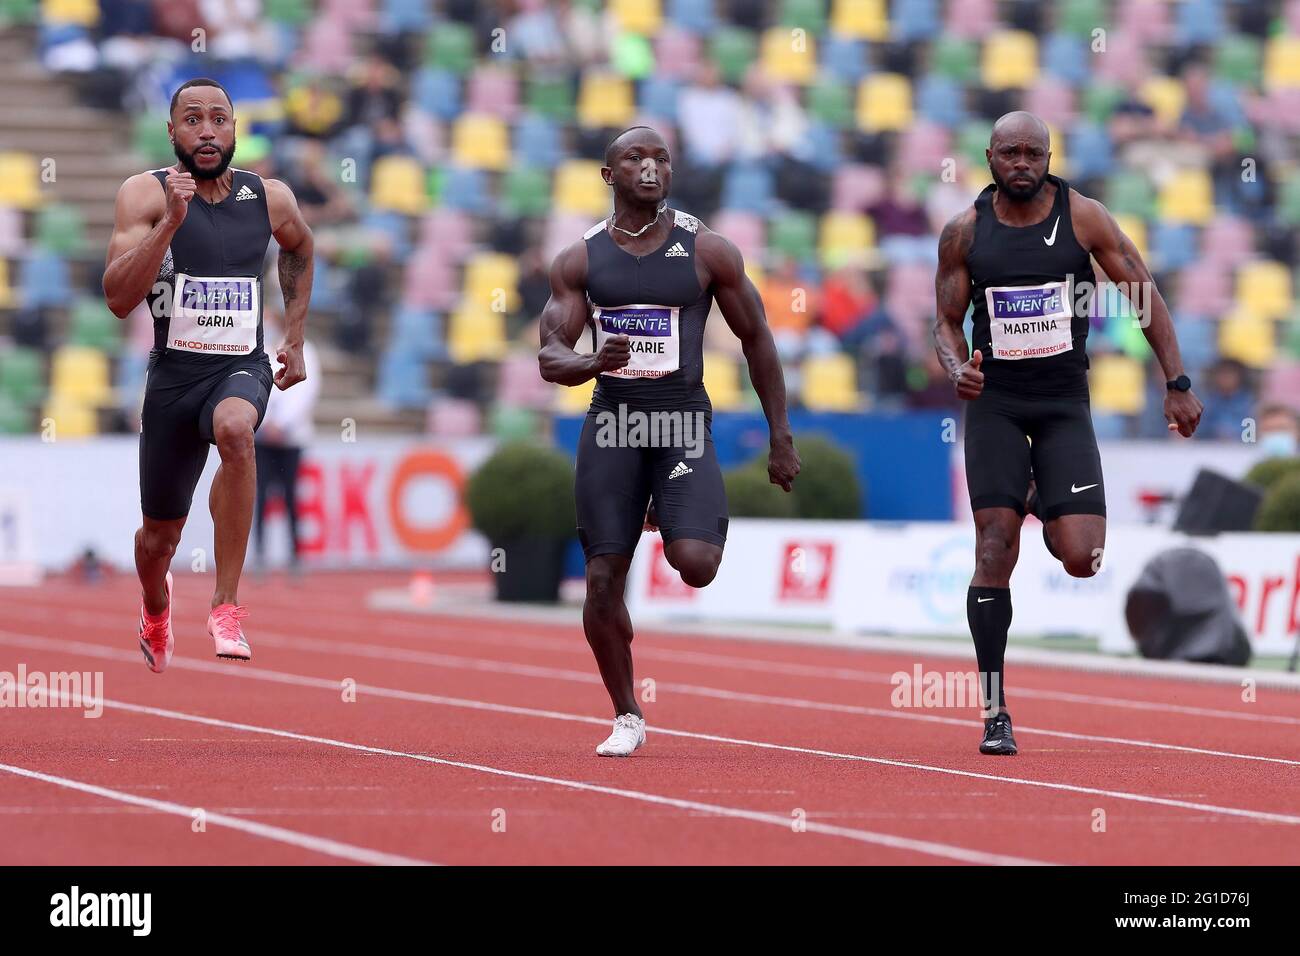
{"points": [[215, 316], [652, 331], [1030, 321]]}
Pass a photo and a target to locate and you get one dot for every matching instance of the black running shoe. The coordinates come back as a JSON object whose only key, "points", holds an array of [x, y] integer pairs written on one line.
{"points": [[998, 741]]}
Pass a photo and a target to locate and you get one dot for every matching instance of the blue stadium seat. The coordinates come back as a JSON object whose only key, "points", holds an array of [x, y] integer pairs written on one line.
{"points": [[1225, 98], [1199, 21], [437, 92], [1198, 340], [749, 187], [466, 189], [1109, 426], [403, 380], [1066, 56], [1173, 245], [324, 290], [395, 227], [1091, 152], [698, 16], [539, 140], [418, 331], [940, 100], [658, 98], [824, 147], [915, 20], [844, 58], [46, 280], [405, 16]]}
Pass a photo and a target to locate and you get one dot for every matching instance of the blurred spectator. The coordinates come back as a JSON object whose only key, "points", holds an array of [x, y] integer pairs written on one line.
{"points": [[1228, 402], [320, 196], [1277, 432], [376, 95], [312, 108], [709, 116]]}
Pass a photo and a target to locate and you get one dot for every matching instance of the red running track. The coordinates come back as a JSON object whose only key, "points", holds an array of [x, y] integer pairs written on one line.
{"points": [[469, 741]]}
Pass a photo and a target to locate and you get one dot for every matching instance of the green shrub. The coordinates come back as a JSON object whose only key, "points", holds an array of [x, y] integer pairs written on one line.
{"points": [[751, 495], [1266, 473], [827, 486], [1280, 509], [523, 490]]}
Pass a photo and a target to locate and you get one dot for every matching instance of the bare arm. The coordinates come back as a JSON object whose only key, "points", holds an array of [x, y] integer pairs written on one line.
{"points": [[143, 225], [295, 266], [1098, 232], [952, 299], [564, 318], [742, 307]]}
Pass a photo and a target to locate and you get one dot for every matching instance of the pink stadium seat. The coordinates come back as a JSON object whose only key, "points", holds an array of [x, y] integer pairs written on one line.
{"points": [[563, 229], [1204, 288], [745, 229], [454, 418], [926, 145], [1125, 62], [519, 385], [450, 231], [493, 89], [1147, 21], [12, 242], [1281, 385], [430, 280], [1227, 241], [326, 48], [855, 188], [677, 53], [972, 19], [352, 14], [1053, 99]]}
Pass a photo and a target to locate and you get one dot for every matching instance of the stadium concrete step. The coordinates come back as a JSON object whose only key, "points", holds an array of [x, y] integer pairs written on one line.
{"points": [[371, 416]]}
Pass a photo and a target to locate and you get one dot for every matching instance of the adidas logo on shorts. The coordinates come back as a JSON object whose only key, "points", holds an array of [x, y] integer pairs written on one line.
{"points": [[680, 470], [245, 193], [676, 250]]}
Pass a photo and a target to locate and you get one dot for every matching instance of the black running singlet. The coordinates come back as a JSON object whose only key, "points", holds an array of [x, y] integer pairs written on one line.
{"points": [[656, 301], [207, 302], [1031, 289]]}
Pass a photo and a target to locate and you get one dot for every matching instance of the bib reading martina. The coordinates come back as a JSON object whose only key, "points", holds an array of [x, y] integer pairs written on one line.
{"points": [[207, 302], [1031, 292]]}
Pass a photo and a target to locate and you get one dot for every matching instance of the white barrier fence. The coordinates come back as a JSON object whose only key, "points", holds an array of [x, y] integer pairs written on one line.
{"points": [[912, 579]]}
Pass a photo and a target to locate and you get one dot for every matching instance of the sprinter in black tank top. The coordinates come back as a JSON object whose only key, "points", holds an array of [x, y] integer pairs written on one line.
{"points": [[190, 240], [638, 288], [1022, 257]]}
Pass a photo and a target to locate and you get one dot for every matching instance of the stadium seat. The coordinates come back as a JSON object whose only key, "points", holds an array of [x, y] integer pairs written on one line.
{"points": [[45, 280], [71, 418], [453, 418], [860, 19], [480, 141], [915, 20], [677, 54], [697, 16], [1066, 57], [1100, 99], [24, 12], [417, 331], [510, 423], [476, 334], [1136, 230], [519, 385], [1237, 60], [857, 187], [843, 58], [1197, 341], [831, 102], [79, 375], [823, 148], [579, 189], [1009, 61], [82, 13], [430, 281], [808, 15], [744, 229], [749, 187], [1199, 21], [15, 419], [1173, 245], [828, 383], [1081, 17], [939, 100], [787, 58], [972, 141], [538, 141], [19, 181], [1130, 193], [397, 184], [1203, 289], [1091, 151], [60, 228], [94, 326], [448, 231], [722, 381], [884, 103], [1250, 340], [21, 378], [1282, 62], [550, 96], [644, 17], [451, 47], [492, 282], [1288, 203], [632, 56], [1281, 384], [793, 235], [846, 239], [437, 92], [733, 51], [571, 399], [402, 380], [525, 191], [659, 97], [1188, 197], [604, 100], [1166, 96], [955, 58], [1264, 289], [493, 90], [1117, 384], [466, 190]]}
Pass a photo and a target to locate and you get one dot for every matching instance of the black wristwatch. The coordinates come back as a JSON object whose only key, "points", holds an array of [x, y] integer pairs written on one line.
{"points": [[1181, 384]]}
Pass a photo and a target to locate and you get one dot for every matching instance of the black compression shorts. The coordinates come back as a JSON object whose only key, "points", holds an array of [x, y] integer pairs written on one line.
{"points": [[615, 482], [176, 424], [1006, 434]]}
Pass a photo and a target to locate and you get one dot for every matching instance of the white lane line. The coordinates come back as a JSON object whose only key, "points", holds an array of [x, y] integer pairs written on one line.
{"points": [[306, 841], [280, 677], [928, 847], [452, 630]]}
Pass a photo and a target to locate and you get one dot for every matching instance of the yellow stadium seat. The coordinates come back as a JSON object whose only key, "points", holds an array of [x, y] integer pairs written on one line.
{"points": [[574, 398], [860, 19], [6, 290], [476, 335], [1117, 383], [722, 381], [605, 99], [398, 185], [1060, 158], [1264, 289], [1282, 63], [1010, 60], [1187, 197], [20, 180], [79, 375], [756, 273], [82, 13], [828, 383], [492, 282], [884, 102], [637, 16], [789, 57], [1133, 227], [481, 141], [579, 189], [1166, 96], [71, 418], [846, 239], [1248, 339]]}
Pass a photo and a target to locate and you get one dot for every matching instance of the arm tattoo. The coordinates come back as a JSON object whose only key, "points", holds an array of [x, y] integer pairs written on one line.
{"points": [[291, 266]]}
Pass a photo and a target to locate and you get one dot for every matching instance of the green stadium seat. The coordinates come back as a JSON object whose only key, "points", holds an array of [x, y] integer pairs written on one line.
{"points": [[551, 96], [526, 191], [451, 47], [15, 419], [1288, 202], [973, 140], [793, 235], [149, 138], [1100, 100], [60, 229], [831, 102], [956, 59], [19, 11], [21, 376], [93, 326], [733, 51], [291, 12], [1081, 17], [809, 15], [1237, 60], [1131, 192], [513, 424]]}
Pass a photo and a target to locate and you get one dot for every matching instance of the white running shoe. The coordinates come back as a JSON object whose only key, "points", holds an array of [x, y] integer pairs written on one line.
{"points": [[628, 735]]}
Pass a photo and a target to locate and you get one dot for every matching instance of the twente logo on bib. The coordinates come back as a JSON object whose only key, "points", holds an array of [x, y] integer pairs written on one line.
{"points": [[652, 331], [1029, 321], [214, 315]]}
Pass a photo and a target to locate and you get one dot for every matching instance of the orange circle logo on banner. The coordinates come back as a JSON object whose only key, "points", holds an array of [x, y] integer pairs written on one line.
{"points": [[427, 464]]}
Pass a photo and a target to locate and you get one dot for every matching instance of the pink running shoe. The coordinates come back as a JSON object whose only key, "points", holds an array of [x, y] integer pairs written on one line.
{"points": [[223, 625], [156, 639]]}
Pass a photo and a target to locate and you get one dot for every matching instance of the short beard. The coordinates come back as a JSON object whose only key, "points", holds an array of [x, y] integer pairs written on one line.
{"points": [[187, 160], [1017, 193]]}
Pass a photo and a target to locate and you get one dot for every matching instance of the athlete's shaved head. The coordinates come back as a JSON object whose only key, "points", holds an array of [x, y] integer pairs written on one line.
{"points": [[1018, 155], [621, 141]]}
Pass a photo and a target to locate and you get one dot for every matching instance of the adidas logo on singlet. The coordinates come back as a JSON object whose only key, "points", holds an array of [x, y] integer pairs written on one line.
{"points": [[245, 193], [676, 250]]}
